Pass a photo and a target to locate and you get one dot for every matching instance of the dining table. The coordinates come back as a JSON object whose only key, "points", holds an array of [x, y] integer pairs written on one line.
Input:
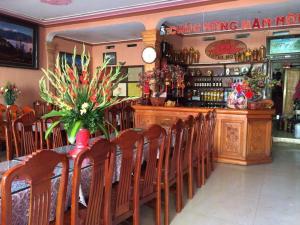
{"points": [[21, 189]]}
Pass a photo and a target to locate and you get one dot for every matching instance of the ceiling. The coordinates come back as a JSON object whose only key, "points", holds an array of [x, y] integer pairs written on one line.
{"points": [[104, 34], [41, 12]]}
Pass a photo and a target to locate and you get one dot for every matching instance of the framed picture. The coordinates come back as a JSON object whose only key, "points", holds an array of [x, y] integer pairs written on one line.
{"points": [[18, 43], [69, 57], [112, 56]]}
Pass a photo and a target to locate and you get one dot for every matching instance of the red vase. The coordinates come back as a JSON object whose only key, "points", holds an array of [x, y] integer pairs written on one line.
{"points": [[82, 142]]}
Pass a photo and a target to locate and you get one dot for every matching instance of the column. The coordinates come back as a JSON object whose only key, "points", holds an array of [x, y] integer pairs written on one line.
{"points": [[152, 38]]}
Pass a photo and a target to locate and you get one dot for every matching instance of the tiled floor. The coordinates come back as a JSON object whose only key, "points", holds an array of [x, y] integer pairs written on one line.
{"points": [[253, 195]]}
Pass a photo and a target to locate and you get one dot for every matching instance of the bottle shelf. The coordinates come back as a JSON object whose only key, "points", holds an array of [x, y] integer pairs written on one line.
{"points": [[213, 88]]}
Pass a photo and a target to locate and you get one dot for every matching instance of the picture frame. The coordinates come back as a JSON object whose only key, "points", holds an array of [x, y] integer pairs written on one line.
{"points": [[112, 56], [69, 57], [18, 43]]}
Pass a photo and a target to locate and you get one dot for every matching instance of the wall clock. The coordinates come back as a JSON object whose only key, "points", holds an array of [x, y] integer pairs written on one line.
{"points": [[149, 55]]}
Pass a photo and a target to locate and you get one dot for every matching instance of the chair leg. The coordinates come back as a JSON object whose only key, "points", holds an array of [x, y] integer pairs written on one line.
{"points": [[198, 173], [212, 160], [203, 170], [158, 206], [179, 183], [190, 182], [167, 200]]}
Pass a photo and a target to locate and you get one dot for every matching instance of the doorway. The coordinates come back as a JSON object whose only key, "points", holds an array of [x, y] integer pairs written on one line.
{"points": [[288, 74]]}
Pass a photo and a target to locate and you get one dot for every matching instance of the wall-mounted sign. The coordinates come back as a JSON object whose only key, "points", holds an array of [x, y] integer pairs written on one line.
{"points": [[225, 49], [290, 19]]}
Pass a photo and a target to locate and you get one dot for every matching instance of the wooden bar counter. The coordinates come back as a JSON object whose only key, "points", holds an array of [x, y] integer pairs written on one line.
{"points": [[242, 137]]}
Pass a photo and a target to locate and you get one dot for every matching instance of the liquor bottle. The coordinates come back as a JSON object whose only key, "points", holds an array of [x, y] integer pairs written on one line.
{"points": [[214, 83], [220, 83]]}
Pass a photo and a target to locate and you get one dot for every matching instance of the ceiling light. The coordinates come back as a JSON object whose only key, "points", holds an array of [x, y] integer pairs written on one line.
{"points": [[57, 2]]}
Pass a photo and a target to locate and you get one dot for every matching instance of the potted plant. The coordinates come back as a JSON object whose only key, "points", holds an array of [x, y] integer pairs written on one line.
{"points": [[82, 98], [10, 93]]}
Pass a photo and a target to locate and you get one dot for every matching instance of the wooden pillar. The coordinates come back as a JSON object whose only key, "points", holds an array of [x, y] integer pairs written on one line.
{"points": [[152, 38], [51, 57]]}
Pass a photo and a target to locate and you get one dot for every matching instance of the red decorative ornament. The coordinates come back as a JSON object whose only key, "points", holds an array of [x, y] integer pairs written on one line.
{"points": [[57, 2]]}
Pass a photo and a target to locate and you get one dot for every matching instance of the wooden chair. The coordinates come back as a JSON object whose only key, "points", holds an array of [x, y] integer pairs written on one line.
{"points": [[55, 139], [173, 167], [27, 109], [38, 107], [200, 139], [204, 145], [38, 171], [14, 111], [187, 152], [125, 193], [150, 184], [2, 123], [211, 150], [102, 158], [114, 115], [127, 117], [25, 139]]}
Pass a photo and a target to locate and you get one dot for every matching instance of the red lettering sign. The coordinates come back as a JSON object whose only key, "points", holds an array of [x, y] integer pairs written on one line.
{"points": [[225, 49], [256, 23]]}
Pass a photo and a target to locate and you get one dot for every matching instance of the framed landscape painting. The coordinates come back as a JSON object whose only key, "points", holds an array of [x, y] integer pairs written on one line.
{"points": [[18, 43]]}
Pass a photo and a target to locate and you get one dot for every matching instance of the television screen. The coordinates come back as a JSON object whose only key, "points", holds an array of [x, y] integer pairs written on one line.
{"points": [[284, 45]]}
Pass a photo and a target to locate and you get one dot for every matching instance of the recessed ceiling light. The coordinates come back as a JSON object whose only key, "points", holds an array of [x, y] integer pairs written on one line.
{"points": [[57, 2]]}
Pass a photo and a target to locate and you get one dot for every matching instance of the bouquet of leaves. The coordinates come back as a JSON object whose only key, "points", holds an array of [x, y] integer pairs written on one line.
{"points": [[80, 97], [258, 81], [10, 93]]}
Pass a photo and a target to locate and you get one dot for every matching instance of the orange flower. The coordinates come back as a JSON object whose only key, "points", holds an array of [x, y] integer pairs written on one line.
{"points": [[71, 74]]}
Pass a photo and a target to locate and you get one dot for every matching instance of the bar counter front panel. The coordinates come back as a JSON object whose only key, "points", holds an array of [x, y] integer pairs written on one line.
{"points": [[242, 137]]}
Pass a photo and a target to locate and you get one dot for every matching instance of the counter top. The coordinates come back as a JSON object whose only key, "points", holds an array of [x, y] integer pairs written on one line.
{"points": [[204, 110]]}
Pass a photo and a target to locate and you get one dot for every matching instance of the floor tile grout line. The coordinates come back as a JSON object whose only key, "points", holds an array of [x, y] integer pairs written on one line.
{"points": [[259, 197]]}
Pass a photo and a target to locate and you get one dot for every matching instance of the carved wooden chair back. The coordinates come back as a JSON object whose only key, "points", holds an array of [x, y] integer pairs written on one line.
{"points": [[27, 109], [2, 112], [206, 161], [173, 167], [155, 137], [2, 119], [25, 133], [55, 139], [114, 115], [14, 112], [187, 141], [101, 155], [188, 150], [213, 121], [127, 117], [150, 187], [38, 107], [173, 150], [130, 144], [38, 171], [198, 148]]}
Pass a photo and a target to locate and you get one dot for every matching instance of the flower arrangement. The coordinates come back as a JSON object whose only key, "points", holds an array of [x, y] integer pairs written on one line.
{"points": [[10, 93], [80, 98], [238, 97], [157, 82], [152, 82], [243, 89]]}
